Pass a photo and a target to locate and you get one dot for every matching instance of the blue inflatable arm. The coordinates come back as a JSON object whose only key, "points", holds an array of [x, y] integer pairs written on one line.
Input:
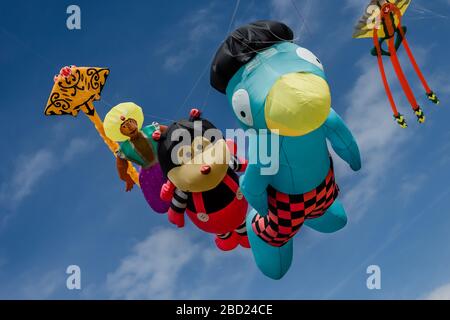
{"points": [[342, 140], [254, 187]]}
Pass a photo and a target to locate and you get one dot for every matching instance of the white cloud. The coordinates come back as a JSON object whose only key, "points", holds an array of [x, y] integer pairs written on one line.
{"points": [[440, 80], [76, 146], [31, 168], [197, 27], [407, 189], [151, 270], [390, 238], [43, 287], [441, 293], [27, 173], [155, 268], [379, 138]]}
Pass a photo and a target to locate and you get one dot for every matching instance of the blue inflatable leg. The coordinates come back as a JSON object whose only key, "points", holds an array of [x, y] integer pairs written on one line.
{"points": [[274, 262], [331, 221]]}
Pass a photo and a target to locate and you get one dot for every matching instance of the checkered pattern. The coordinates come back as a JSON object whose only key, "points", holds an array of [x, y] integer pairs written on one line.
{"points": [[288, 212]]}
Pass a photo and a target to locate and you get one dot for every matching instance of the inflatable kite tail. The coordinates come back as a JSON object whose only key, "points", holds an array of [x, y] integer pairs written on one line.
{"points": [[398, 117], [430, 94], [404, 82]]}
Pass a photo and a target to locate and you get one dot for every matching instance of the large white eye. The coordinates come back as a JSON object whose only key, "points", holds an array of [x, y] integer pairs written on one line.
{"points": [[307, 55], [241, 106]]}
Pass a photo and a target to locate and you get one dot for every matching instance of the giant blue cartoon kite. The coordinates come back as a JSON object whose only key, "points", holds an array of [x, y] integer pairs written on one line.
{"points": [[272, 83]]}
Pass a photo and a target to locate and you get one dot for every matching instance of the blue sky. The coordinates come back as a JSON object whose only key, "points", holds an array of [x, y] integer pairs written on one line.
{"points": [[61, 202]]}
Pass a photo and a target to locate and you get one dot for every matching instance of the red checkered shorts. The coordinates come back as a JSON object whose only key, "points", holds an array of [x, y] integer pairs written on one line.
{"points": [[287, 212]]}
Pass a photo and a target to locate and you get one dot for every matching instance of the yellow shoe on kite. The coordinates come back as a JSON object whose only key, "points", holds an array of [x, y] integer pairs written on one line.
{"points": [[433, 98], [400, 119], [420, 115]]}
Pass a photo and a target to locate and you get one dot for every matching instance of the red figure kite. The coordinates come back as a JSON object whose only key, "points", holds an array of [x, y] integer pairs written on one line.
{"points": [[383, 22]]}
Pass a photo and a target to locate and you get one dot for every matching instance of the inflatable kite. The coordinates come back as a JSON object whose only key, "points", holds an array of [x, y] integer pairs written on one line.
{"points": [[383, 22], [123, 124], [273, 84], [202, 180], [75, 89]]}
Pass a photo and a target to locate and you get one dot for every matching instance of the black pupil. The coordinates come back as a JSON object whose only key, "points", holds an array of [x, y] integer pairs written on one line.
{"points": [[243, 114], [318, 60]]}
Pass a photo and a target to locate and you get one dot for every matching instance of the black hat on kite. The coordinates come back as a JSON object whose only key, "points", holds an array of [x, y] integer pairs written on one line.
{"points": [[242, 45]]}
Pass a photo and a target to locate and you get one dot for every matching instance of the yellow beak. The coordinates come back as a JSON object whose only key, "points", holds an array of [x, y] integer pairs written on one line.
{"points": [[297, 104]]}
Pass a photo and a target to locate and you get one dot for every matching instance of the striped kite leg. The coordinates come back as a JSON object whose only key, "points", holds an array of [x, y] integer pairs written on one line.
{"points": [[430, 94], [399, 118], [404, 82]]}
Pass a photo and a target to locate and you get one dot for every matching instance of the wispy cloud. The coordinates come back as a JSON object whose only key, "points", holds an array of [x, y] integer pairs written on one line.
{"points": [[441, 293], [379, 138], [387, 241], [42, 286], [157, 268], [186, 40], [408, 189], [32, 167], [27, 173], [152, 270], [76, 147]]}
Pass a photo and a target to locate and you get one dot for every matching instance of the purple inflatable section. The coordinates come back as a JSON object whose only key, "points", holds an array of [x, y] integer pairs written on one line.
{"points": [[151, 181]]}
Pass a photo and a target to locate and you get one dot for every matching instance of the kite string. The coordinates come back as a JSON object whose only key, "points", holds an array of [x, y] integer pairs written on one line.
{"points": [[300, 16], [158, 117], [233, 16], [305, 24], [202, 74], [199, 78], [426, 11]]}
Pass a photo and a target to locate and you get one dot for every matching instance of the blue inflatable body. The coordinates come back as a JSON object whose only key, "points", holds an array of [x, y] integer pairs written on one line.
{"points": [[283, 89]]}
